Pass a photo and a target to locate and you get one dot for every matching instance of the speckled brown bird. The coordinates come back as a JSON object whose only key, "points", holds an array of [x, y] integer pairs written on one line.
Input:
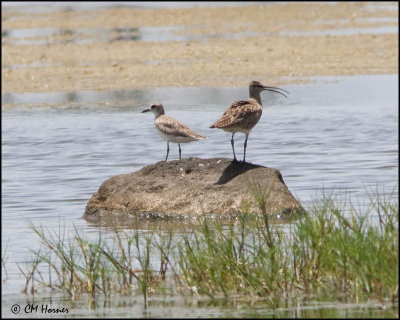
{"points": [[242, 116], [171, 130]]}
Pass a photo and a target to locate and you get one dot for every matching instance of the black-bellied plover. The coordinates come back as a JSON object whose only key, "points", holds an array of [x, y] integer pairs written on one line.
{"points": [[171, 130], [242, 116]]}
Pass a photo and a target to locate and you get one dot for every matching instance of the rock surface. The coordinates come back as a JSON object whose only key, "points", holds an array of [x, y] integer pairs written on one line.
{"points": [[190, 187]]}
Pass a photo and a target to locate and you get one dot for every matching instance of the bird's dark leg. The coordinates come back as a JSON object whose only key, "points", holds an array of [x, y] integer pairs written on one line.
{"points": [[179, 151], [245, 146], [233, 147], [166, 158]]}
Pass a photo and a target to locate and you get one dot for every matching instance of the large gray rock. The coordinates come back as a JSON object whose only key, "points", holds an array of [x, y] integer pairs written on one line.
{"points": [[191, 187]]}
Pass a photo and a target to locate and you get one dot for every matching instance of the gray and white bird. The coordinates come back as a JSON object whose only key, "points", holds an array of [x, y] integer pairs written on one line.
{"points": [[242, 115], [170, 129]]}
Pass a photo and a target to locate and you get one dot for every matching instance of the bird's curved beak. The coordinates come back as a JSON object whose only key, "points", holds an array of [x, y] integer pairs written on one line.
{"points": [[275, 89], [146, 110]]}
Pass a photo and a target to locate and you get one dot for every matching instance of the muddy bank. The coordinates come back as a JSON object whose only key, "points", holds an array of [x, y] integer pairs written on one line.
{"points": [[277, 44], [191, 187]]}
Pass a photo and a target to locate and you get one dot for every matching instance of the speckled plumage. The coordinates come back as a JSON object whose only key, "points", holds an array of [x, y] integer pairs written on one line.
{"points": [[242, 116]]}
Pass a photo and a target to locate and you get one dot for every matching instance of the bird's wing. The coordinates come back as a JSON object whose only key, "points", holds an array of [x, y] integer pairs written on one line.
{"points": [[236, 113], [235, 106], [172, 126]]}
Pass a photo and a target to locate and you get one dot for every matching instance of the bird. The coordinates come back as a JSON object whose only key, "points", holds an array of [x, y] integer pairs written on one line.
{"points": [[170, 129], [243, 115]]}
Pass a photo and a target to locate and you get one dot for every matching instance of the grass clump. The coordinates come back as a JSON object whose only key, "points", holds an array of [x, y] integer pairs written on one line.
{"points": [[332, 253], [103, 267]]}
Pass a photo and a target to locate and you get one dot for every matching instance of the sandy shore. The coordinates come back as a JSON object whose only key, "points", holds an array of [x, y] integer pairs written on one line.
{"points": [[276, 44]]}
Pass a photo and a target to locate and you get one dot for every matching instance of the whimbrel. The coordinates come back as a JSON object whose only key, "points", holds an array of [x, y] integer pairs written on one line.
{"points": [[242, 116], [171, 130]]}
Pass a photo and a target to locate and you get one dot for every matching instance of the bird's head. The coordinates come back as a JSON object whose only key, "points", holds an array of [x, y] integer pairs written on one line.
{"points": [[258, 87], [156, 108]]}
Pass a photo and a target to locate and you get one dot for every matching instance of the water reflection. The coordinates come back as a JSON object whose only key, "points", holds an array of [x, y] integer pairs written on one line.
{"points": [[192, 307]]}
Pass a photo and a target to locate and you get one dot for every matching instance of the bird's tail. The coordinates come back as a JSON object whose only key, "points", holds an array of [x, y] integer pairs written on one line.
{"points": [[199, 137]]}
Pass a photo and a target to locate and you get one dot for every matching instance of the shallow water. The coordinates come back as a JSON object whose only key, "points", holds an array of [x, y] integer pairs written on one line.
{"points": [[45, 6], [177, 307], [54, 36], [336, 134]]}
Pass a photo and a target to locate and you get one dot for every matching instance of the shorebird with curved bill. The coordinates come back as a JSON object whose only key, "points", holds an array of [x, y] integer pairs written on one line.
{"points": [[171, 130], [242, 115]]}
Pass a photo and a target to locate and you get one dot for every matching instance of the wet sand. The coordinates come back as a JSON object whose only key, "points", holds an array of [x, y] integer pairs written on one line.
{"points": [[276, 44]]}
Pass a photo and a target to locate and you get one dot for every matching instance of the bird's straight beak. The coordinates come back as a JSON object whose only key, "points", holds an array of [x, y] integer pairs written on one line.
{"points": [[275, 89], [146, 110]]}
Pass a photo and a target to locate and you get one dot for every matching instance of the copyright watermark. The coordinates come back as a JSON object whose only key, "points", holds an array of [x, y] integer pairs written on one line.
{"points": [[37, 308], [15, 309]]}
